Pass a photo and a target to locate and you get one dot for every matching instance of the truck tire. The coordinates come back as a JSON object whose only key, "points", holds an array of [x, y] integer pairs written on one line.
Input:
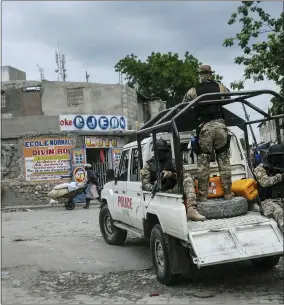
{"points": [[221, 208], [111, 234], [266, 262], [161, 258]]}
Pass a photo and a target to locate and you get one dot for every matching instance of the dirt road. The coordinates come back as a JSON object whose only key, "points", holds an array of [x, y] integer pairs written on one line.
{"points": [[57, 256]]}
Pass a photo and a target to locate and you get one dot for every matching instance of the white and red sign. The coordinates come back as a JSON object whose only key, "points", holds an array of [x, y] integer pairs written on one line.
{"points": [[124, 202], [92, 122]]}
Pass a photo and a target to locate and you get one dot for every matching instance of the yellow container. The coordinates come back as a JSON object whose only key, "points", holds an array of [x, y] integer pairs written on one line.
{"points": [[215, 189], [246, 188]]}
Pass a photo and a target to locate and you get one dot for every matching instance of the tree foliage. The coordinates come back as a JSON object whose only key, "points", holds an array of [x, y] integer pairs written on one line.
{"points": [[165, 76], [262, 41]]}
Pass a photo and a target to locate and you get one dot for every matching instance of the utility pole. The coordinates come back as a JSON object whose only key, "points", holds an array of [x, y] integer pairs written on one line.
{"points": [[120, 78], [41, 71], [60, 62], [251, 130], [87, 76]]}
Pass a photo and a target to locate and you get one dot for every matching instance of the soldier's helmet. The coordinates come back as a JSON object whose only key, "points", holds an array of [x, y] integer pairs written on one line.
{"points": [[276, 155], [205, 69], [162, 145]]}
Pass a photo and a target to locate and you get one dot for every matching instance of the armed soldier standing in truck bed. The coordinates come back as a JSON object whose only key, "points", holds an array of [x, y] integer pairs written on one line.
{"points": [[169, 181], [270, 178], [212, 134]]}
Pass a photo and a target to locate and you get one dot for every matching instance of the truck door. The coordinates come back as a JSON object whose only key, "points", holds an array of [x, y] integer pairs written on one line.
{"points": [[134, 191], [121, 203]]}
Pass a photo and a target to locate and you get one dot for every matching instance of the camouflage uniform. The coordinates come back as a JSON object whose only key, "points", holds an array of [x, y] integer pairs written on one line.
{"points": [[188, 187], [270, 207], [213, 136]]}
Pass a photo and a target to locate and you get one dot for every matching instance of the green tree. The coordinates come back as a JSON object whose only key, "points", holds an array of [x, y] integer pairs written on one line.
{"points": [[165, 76], [262, 41]]}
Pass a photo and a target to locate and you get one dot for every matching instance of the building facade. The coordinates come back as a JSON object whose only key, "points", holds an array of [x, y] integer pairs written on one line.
{"points": [[12, 74], [267, 131], [45, 123]]}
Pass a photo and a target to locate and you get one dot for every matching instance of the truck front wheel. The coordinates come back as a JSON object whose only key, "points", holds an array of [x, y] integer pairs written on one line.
{"points": [[161, 258], [111, 234]]}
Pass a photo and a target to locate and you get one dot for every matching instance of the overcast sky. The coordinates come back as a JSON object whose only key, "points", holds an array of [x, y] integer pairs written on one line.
{"points": [[94, 36]]}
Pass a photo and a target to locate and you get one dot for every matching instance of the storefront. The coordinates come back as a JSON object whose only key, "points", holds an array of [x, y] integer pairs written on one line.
{"points": [[101, 151]]}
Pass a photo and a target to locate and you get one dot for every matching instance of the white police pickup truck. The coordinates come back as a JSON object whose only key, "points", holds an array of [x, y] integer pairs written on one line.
{"points": [[177, 244]]}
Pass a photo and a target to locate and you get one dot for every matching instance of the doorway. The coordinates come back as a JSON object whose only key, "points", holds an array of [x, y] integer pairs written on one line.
{"points": [[101, 160]]}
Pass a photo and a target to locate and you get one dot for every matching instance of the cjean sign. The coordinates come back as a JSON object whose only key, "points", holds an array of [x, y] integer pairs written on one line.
{"points": [[92, 122]]}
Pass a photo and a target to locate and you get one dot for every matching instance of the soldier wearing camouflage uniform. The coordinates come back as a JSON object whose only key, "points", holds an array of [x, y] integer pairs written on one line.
{"points": [[212, 133], [270, 178], [169, 181]]}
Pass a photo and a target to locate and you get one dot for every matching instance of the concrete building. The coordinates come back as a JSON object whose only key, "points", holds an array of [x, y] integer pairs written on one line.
{"points": [[51, 99], [43, 122], [12, 74], [267, 131]]}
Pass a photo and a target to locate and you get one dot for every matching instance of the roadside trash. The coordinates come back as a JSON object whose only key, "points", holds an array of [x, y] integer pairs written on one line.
{"points": [[18, 239], [29, 210], [5, 275], [154, 294]]}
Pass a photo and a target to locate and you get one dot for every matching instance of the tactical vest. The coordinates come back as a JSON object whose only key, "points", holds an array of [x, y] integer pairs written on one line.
{"points": [[207, 113], [273, 192], [166, 166]]}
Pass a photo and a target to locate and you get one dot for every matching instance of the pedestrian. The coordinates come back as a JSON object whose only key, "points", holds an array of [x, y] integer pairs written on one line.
{"points": [[211, 134], [92, 181], [270, 178], [169, 181]]}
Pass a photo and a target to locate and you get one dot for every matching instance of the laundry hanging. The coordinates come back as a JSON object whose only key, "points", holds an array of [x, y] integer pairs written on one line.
{"points": [[102, 156]]}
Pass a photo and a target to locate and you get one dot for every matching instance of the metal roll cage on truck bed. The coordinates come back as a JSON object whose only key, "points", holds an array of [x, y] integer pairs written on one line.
{"points": [[182, 118]]}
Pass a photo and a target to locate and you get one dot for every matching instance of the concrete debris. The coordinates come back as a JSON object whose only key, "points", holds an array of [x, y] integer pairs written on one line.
{"points": [[5, 275]]}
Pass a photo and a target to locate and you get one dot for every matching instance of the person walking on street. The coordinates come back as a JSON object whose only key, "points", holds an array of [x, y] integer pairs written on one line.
{"points": [[212, 134], [270, 178], [169, 181], [92, 180]]}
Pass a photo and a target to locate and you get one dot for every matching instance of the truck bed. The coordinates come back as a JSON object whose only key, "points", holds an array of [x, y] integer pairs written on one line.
{"points": [[239, 238], [251, 218]]}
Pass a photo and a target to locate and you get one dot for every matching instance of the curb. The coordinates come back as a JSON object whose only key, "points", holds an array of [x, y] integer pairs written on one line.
{"points": [[30, 207], [38, 207]]}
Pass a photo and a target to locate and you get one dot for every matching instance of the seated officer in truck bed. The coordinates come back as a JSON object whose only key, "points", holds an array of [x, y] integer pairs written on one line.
{"points": [[270, 178], [169, 182]]}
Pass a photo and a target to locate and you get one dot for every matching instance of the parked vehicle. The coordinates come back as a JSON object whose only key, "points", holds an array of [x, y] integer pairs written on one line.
{"points": [[177, 244]]}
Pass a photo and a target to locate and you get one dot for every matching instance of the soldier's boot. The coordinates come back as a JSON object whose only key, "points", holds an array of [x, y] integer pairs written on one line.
{"points": [[193, 214]]}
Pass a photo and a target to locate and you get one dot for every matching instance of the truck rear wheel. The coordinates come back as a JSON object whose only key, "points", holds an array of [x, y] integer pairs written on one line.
{"points": [[111, 234], [161, 258], [266, 262]]}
